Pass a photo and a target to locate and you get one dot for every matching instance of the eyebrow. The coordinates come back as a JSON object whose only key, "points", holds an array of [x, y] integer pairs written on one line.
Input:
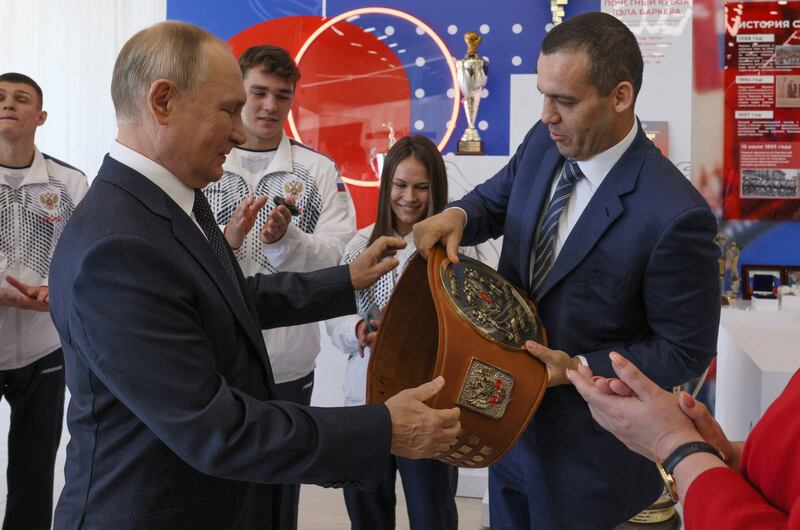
{"points": [[268, 89], [18, 91]]}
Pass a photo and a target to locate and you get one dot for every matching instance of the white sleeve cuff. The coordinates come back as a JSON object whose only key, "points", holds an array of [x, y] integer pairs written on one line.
{"points": [[466, 217]]}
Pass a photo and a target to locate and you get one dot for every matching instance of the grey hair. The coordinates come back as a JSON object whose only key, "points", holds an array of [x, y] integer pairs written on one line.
{"points": [[167, 50]]}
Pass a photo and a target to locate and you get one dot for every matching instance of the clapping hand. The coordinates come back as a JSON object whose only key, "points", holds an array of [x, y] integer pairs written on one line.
{"points": [[645, 417], [277, 223], [24, 296], [243, 219]]}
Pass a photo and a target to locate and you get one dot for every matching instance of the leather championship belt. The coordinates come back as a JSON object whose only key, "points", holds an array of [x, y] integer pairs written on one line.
{"points": [[467, 323]]}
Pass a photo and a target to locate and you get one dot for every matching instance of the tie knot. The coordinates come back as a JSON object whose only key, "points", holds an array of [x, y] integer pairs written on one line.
{"points": [[572, 173]]}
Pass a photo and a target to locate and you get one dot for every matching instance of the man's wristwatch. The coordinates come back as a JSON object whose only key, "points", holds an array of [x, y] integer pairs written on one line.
{"points": [[682, 451]]}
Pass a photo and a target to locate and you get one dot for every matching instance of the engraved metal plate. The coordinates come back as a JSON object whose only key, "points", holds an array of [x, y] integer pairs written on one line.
{"points": [[486, 390], [490, 303]]}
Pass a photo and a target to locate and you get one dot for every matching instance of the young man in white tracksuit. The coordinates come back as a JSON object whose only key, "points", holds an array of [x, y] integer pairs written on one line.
{"points": [[268, 166], [37, 196]]}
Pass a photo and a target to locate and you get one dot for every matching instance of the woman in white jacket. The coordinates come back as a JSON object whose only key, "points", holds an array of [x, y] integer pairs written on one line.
{"points": [[413, 186]]}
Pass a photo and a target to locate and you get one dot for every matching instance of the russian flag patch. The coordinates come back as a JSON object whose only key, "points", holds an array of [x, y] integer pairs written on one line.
{"points": [[340, 186]]}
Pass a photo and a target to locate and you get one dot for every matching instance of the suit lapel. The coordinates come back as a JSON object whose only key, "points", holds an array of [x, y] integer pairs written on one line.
{"points": [[603, 209], [539, 194], [191, 238]]}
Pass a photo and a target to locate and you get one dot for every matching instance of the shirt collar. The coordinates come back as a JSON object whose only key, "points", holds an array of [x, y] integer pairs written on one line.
{"points": [[174, 187], [283, 157], [36, 173], [281, 162], [597, 167]]}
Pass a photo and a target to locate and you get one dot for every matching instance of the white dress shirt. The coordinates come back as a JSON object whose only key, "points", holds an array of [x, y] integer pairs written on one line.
{"points": [[174, 187], [595, 170]]}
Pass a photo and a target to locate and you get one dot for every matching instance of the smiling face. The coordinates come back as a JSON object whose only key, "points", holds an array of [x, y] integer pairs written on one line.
{"points": [[581, 122], [20, 111], [410, 196], [204, 125], [269, 100]]}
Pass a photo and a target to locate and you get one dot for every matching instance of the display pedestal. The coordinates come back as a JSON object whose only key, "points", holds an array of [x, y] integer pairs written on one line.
{"points": [[790, 302], [764, 304], [757, 355]]}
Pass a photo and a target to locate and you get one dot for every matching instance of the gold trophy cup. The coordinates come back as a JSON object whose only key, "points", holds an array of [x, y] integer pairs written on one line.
{"points": [[472, 71]]}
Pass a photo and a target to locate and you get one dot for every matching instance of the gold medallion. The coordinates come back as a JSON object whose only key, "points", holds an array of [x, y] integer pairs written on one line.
{"points": [[490, 303]]}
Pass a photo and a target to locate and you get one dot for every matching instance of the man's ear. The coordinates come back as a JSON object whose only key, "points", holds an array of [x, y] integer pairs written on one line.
{"points": [[161, 100], [623, 96], [42, 118]]}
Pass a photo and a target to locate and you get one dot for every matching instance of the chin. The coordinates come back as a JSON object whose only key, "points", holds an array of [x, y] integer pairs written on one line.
{"points": [[216, 174]]}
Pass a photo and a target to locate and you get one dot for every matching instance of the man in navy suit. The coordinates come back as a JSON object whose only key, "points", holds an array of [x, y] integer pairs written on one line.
{"points": [[170, 415], [615, 246]]}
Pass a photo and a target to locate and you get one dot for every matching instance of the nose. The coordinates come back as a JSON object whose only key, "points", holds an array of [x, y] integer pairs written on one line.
{"points": [[549, 113], [269, 102], [238, 135], [410, 194]]}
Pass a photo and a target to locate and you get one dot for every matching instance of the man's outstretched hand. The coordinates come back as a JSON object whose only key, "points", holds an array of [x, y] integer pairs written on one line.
{"points": [[419, 431], [375, 261]]}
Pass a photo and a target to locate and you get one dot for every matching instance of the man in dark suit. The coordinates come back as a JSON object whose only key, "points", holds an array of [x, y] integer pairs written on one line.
{"points": [[615, 246], [170, 414]]}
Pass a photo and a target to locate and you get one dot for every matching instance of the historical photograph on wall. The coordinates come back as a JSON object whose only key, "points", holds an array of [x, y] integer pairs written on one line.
{"points": [[769, 183]]}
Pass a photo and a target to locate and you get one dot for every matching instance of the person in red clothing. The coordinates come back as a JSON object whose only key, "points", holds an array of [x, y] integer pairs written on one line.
{"points": [[722, 484]]}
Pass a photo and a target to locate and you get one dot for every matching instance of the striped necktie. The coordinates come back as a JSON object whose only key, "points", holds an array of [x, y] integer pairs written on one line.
{"points": [[220, 247], [546, 243]]}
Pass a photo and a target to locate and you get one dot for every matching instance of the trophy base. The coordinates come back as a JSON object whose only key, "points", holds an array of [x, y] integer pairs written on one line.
{"points": [[654, 522], [470, 147]]}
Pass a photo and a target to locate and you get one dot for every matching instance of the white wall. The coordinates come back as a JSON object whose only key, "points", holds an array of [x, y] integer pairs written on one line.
{"points": [[69, 48]]}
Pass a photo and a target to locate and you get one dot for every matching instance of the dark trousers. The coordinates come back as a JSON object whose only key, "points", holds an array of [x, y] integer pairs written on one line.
{"points": [[35, 394], [430, 490], [287, 496]]}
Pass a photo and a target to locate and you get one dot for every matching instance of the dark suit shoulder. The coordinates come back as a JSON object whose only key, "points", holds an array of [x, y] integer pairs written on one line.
{"points": [[661, 178]]}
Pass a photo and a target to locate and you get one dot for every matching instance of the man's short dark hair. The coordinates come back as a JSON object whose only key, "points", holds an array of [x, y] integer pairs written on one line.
{"points": [[270, 60], [612, 49], [14, 77]]}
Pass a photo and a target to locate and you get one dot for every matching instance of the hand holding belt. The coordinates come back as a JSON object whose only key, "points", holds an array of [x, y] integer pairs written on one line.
{"points": [[467, 323]]}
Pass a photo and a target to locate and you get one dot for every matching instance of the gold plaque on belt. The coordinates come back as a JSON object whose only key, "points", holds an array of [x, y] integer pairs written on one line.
{"points": [[490, 303], [486, 390]]}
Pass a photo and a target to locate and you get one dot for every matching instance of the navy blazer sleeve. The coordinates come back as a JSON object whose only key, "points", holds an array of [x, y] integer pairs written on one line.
{"points": [[135, 320], [291, 298], [487, 204]]}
